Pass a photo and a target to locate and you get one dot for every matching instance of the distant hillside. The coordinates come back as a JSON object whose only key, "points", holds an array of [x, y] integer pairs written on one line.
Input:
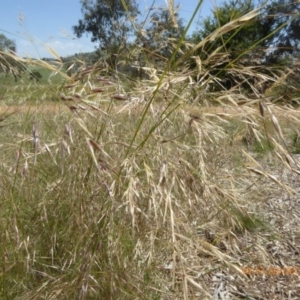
{"points": [[87, 57]]}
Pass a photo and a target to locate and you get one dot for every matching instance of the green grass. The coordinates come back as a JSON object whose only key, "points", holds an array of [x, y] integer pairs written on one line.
{"points": [[295, 144], [263, 146], [25, 90]]}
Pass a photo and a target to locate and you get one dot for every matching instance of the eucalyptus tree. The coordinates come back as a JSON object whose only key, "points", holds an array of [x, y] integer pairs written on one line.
{"points": [[282, 19], [7, 44], [266, 41], [8, 64], [163, 32], [274, 32], [110, 23]]}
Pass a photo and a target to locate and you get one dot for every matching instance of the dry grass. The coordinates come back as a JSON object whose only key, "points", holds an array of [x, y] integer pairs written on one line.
{"points": [[145, 194]]}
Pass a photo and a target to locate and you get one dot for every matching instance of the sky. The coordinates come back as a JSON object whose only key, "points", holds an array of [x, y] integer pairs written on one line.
{"points": [[37, 24]]}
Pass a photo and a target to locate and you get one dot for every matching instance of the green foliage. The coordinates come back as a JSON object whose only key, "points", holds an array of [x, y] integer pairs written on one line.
{"points": [[162, 33], [236, 41], [282, 18], [261, 43], [8, 64], [263, 146], [109, 22], [295, 147], [276, 27], [156, 39], [35, 75], [7, 44], [37, 84], [247, 222]]}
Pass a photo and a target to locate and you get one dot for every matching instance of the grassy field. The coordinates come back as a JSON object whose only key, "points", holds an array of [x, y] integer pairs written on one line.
{"points": [[103, 199], [29, 90], [147, 189]]}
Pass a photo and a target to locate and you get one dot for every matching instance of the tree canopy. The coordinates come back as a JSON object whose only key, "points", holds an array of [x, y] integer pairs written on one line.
{"points": [[269, 37], [108, 21], [7, 63], [281, 17], [264, 41], [273, 33], [163, 31], [7, 44]]}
